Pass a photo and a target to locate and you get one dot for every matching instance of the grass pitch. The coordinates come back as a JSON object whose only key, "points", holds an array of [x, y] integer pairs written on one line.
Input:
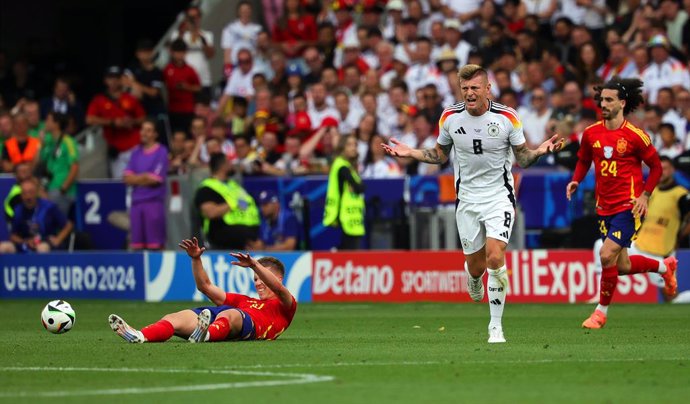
{"points": [[356, 353]]}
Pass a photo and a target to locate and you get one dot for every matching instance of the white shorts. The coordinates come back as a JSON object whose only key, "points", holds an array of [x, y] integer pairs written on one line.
{"points": [[479, 220]]}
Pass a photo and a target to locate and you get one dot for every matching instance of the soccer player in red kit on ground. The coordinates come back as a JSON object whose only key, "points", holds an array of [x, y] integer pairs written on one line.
{"points": [[234, 316], [618, 149]]}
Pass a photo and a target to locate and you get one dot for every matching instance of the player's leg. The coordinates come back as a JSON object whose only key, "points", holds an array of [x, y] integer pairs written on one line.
{"points": [[231, 324], [472, 238], [499, 218], [664, 267], [217, 323], [181, 323]]}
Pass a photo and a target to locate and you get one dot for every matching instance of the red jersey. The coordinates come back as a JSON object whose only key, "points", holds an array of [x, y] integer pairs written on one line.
{"points": [[103, 106], [269, 316], [180, 101], [618, 155]]}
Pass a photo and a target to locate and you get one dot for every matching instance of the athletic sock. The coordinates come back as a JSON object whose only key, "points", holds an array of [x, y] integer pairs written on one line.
{"points": [[497, 285], [640, 264], [603, 309], [609, 280], [219, 329], [159, 331]]}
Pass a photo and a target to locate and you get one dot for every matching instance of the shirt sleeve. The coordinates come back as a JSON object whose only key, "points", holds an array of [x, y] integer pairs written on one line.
{"points": [[233, 299], [72, 151], [684, 205], [94, 108], [193, 78], [160, 167], [138, 110], [344, 176], [205, 194], [226, 38], [517, 134], [444, 138]]}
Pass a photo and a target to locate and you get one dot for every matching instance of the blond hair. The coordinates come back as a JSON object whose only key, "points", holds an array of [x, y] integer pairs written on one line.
{"points": [[468, 72]]}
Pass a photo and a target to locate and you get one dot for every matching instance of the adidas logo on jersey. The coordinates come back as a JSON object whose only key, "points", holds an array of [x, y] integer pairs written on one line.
{"points": [[596, 145], [505, 234], [461, 131], [496, 302]]}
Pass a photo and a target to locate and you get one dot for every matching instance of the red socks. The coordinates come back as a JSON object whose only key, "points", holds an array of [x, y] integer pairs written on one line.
{"points": [[609, 280], [640, 263], [219, 329], [159, 331]]}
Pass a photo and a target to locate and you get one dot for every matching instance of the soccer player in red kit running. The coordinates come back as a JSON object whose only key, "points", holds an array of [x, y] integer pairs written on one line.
{"points": [[618, 149], [234, 316]]}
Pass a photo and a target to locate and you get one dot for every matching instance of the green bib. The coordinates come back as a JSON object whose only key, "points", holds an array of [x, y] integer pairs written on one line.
{"points": [[346, 210], [243, 210], [14, 191]]}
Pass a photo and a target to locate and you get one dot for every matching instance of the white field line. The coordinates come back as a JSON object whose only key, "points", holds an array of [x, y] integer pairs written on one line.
{"points": [[287, 379]]}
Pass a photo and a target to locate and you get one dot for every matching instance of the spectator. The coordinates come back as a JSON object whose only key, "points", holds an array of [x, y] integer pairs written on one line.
{"points": [[146, 173], [651, 123], [674, 17], [666, 101], [452, 31], [278, 83], [21, 84], [61, 158], [239, 34], [290, 163], [663, 71], [315, 64], [145, 81], [424, 70], [22, 172], [295, 29], [229, 214], [182, 84], [32, 112], [38, 225], [64, 101], [280, 230], [20, 148], [425, 140], [218, 132], [245, 157], [573, 109], [200, 47], [180, 153], [618, 64], [670, 147], [535, 118], [240, 82], [588, 63], [120, 115], [377, 164], [318, 108], [345, 196], [348, 117]]}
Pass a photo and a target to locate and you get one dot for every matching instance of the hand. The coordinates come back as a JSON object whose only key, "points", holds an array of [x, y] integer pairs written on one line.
{"points": [[552, 145], [571, 188], [192, 247], [640, 205], [53, 241], [399, 150], [244, 260]]}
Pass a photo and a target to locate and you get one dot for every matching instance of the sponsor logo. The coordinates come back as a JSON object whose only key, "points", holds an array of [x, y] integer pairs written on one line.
{"points": [[596, 145], [461, 131], [491, 289], [608, 152], [621, 145], [495, 302], [351, 279]]}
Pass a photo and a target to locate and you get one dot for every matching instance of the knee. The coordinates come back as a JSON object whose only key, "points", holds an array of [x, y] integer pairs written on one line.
{"points": [[608, 258], [495, 259]]}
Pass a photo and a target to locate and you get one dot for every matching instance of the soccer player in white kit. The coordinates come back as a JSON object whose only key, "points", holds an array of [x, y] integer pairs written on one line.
{"points": [[484, 135]]}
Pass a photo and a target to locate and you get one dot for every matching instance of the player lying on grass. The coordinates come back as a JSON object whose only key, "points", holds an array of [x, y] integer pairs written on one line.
{"points": [[234, 316]]}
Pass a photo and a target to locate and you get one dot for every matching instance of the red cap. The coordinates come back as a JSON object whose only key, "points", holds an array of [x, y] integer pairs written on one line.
{"points": [[302, 121], [329, 121]]}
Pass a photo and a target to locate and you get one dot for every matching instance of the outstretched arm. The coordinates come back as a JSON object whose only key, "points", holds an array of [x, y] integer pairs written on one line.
{"points": [[436, 155], [203, 283], [266, 276], [526, 157]]}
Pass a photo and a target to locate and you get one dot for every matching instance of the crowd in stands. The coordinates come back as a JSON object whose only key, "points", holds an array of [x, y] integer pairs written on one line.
{"points": [[312, 71]]}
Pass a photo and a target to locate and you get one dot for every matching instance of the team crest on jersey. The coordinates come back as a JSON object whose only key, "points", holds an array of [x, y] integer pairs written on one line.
{"points": [[621, 146], [465, 243], [608, 152], [494, 129]]}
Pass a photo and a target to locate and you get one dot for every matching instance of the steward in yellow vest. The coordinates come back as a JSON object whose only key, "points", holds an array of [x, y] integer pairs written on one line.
{"points": [[230, 218], [345, 196]]}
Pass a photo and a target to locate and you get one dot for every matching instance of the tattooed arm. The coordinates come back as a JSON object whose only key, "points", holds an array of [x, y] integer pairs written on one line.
{"points": [[526, 157], [436, 155]]}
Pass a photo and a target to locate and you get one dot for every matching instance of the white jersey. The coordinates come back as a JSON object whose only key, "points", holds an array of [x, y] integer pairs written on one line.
{"points": [[483, 153]]}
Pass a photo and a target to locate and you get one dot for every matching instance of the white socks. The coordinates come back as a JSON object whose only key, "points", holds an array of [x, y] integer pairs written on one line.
{"points": [[497, 286], [603, 309]]}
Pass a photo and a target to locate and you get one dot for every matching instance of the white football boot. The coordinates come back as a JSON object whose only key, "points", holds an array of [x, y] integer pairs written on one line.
{"points": [[475, 287], [203, 322], [496, 335], [124, 330]]}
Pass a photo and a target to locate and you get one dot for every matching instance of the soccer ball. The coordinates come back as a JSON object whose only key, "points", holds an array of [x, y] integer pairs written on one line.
{"points": [[58, 317]]}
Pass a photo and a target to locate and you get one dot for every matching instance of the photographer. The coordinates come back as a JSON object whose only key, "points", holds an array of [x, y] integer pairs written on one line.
{"points": [[199, 47]]}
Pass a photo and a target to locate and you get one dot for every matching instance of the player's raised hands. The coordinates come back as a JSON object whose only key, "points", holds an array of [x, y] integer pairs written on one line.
{"points": [[551, 145], [571, 188], [192, 247], [398, 150], [244, 260]]}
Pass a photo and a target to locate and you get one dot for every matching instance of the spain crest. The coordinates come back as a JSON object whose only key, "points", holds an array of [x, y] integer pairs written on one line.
{"points": [[621, 145]]}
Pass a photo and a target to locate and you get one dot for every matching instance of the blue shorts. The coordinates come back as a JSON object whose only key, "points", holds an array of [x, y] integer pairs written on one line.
{"points": [[247, 333], [621, 228]]}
